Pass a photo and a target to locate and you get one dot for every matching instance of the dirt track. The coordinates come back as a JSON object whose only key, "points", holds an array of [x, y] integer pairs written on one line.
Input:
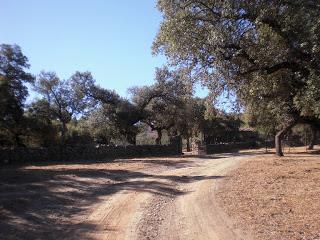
{"points": [[166, 198]]}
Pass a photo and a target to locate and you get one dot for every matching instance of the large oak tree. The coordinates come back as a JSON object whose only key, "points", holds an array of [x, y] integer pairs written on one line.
{"points": [[266, 52]]}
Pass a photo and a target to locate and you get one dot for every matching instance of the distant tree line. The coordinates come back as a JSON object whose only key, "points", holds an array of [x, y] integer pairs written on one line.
{"points": [[78, 111]]}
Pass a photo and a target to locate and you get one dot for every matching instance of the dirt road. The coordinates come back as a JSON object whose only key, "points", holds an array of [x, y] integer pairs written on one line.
{"points": [[185, 210], [165, 198]]}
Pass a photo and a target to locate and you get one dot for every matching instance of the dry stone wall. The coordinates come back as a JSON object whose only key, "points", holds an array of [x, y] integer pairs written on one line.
{"points": [[88, 153]]}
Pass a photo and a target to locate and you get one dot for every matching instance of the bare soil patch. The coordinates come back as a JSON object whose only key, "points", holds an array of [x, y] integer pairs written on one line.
{"points": [[56, 200], [275, 198], [150, 198]]}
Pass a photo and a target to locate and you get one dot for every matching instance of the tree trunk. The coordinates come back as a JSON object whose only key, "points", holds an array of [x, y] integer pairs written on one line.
{"points": [[18, 141], [63, 133], [132, 138], [188, 144], [266, 143], [158, 139], [280, 135], [313, 137]]}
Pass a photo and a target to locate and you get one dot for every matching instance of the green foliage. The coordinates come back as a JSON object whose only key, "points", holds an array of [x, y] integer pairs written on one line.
{"points": [[64, 99], [267, 52], [78, 111], [42, 131], [170, 106], [164, 103], [98, 125], [13, 93], [307, 99]]}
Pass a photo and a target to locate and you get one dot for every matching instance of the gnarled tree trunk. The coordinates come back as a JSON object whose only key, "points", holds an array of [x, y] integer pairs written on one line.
{"points": [[63, 132], [159, 137], [280, 136], [132, 138], [18, 141], [188, 145], [313, 138]]}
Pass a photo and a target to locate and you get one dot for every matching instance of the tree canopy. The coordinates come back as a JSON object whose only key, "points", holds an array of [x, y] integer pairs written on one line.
{"points": [[13, 93], [266, 52], [64, 99]]}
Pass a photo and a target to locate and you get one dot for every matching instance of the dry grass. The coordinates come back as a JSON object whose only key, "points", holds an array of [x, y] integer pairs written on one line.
{"points": [[276, 198]]}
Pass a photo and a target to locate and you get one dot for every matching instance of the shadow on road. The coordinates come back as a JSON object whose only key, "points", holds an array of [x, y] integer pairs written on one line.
{"points": [[39, 203]]}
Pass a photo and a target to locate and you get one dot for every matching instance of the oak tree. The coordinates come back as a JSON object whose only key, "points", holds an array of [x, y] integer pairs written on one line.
{"points": [[266, 52]]}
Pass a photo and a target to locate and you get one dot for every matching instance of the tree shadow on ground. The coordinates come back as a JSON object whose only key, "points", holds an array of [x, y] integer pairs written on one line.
{"points": [[166, 161], [306, 152], [163, 162], [40, 203], [195, 156]]}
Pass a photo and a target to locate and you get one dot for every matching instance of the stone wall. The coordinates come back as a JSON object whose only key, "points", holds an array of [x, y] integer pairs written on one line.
{"points": [[87, 153]]}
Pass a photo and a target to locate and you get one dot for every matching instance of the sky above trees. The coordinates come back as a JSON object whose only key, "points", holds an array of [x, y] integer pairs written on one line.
{"points": [[111, 39]]}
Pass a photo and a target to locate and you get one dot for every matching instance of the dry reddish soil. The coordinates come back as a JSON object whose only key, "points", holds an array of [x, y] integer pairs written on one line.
{"points": [[186, 197], [275, 198], [154, 198]]}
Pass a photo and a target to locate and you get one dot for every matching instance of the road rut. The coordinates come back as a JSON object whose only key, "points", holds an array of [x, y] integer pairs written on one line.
{"points": [[182, 205]]}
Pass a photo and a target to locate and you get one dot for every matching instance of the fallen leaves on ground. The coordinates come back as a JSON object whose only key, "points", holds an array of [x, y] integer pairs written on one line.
{"points": [[275, 198]]}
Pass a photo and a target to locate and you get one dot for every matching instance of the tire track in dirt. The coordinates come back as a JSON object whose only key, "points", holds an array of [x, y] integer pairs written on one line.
{"points": [[194, 213], [172, 204]]}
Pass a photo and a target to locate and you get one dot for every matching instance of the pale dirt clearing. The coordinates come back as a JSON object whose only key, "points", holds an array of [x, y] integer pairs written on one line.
{"points": [[155, 198]]}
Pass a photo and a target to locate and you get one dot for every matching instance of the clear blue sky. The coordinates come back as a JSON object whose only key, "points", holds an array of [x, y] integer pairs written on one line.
{"points": [[110, 38]]}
